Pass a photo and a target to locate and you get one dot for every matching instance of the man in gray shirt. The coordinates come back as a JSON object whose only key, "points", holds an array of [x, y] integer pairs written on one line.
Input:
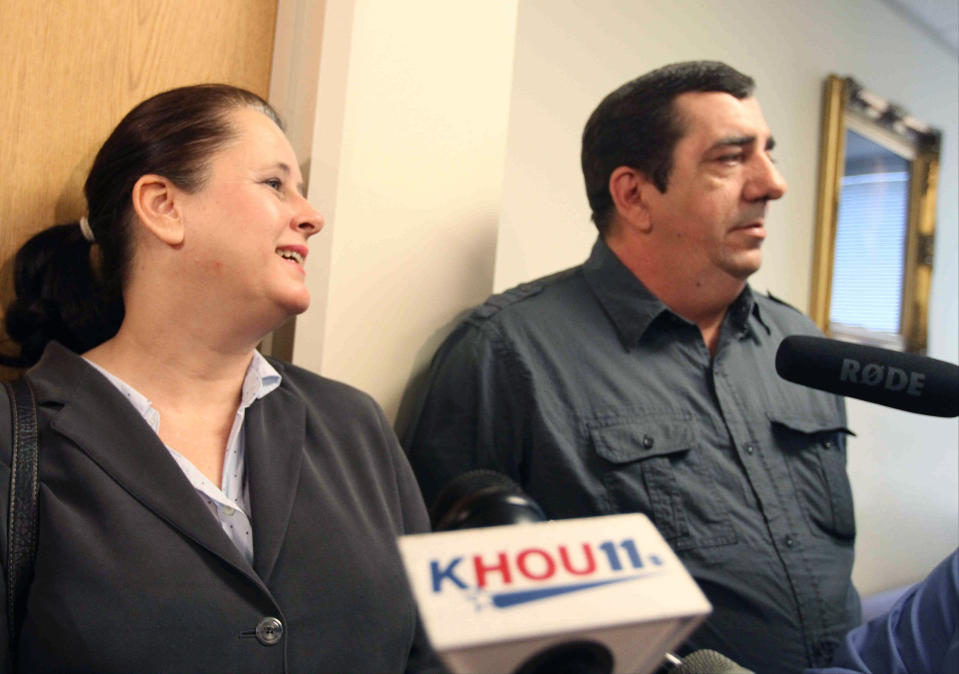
{"points": [[643, 380]]}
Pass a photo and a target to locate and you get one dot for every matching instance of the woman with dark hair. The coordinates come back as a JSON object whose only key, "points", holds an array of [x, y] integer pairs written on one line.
{"points": [[201, 507]]}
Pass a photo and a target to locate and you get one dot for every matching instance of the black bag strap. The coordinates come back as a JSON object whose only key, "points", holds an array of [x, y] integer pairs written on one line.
{"points": [[22, 514]]}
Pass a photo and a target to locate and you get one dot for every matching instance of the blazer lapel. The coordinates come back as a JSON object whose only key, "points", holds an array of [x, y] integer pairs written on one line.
{"points": [[275, 428], [109, 430]]}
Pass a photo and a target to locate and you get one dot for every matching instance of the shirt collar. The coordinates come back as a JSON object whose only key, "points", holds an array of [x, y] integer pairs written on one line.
{"points": [[633, 308], [139, 401], [630, 306], [261, 378], [742, 309]]}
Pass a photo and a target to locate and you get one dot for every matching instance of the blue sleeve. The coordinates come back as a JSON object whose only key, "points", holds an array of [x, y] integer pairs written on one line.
{"points": [[919, 634]]}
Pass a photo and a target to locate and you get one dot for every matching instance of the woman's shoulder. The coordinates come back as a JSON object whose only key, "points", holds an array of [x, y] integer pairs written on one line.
{"points": [[6, 438], [320, 391], [347, 420]]}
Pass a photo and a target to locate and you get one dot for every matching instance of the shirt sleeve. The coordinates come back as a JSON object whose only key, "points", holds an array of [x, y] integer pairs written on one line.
{"points": [[474, 410], [919, 634]]}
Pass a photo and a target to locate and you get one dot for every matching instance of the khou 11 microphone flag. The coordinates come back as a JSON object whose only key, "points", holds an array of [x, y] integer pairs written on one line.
{"points": [[492, 598]]}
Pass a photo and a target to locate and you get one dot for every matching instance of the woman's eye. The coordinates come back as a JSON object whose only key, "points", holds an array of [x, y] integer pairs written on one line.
{"points": [[274, 183]]}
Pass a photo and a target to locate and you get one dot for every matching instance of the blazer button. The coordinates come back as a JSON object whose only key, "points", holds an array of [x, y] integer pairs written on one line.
{"points": [[269, 631]]}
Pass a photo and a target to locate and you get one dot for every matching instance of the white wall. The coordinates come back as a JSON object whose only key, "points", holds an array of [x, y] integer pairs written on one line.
{"points": [[570, 54], [407, 166], [446, 160]]}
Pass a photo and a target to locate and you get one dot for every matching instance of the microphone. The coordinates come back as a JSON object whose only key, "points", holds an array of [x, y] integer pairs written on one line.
{"points": [[520, 594], [903, 381], [706, 661], [482, 498], [485, 498]]}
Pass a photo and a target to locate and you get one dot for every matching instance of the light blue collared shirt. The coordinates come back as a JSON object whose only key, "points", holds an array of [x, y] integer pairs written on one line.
{"points": [[230, 502]]}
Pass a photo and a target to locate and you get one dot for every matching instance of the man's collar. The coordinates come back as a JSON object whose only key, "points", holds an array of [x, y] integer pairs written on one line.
{"points": [[628, 303], [741, 309], [633, 308]]}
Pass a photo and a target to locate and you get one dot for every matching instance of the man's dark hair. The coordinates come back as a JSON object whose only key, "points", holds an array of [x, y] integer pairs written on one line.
{"points": [[637, 126]]}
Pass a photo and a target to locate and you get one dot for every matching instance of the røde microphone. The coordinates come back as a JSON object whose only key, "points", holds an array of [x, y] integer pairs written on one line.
{"points": [[596, 594], [901, 380]]}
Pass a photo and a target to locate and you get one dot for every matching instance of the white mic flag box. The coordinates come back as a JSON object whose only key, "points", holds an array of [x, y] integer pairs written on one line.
{"points": [[492, 597]]}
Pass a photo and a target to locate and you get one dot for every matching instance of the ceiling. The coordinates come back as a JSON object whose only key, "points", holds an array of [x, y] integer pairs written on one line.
{"points": [[938, 18]]}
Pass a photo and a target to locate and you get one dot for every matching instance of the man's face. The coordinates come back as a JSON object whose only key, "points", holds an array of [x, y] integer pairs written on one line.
{"points": [[711, 215]]}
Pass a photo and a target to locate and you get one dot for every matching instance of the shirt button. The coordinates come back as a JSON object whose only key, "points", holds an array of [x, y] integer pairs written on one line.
{"points": [[823, 651], [827, 444], [790, 542], [750, 449], [228, 511], [647, 442], [269, 631]]}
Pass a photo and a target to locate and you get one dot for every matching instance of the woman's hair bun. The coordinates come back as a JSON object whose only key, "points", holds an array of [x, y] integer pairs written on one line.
{"points": [[58, 297]]}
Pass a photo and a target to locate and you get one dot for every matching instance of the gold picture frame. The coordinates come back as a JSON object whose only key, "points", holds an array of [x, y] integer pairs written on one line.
{"points": [[847, 105]]}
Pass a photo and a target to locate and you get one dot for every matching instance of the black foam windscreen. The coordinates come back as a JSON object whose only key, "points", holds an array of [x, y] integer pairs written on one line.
{"points": [[904, 381], [482, 498]]}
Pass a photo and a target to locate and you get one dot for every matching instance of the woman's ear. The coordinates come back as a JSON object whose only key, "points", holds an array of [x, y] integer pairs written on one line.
{"points": [[155, 203], [627, 187]]}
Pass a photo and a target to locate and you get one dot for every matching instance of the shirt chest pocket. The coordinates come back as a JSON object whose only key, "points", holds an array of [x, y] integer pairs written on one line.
{"points": [[815, 450], [652, 465]]}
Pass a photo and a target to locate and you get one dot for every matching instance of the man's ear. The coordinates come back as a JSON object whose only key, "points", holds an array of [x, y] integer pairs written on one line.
{"points": [[628, 187], [155, 203]]}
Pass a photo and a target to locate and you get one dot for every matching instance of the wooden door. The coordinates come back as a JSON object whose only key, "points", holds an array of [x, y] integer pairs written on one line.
{"points": [[73, 68]]}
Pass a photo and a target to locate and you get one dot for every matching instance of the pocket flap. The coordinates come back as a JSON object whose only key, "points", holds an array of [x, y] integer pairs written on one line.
{"points": [[622, 441], [810, 423]]}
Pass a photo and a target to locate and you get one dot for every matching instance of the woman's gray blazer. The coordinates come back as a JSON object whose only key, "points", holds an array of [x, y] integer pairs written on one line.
{"points": [[134, 575]]}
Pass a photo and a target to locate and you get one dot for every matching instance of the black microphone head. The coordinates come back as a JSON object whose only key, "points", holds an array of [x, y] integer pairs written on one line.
{"points": [[482, 498], [904, 381], [570, 657]]}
